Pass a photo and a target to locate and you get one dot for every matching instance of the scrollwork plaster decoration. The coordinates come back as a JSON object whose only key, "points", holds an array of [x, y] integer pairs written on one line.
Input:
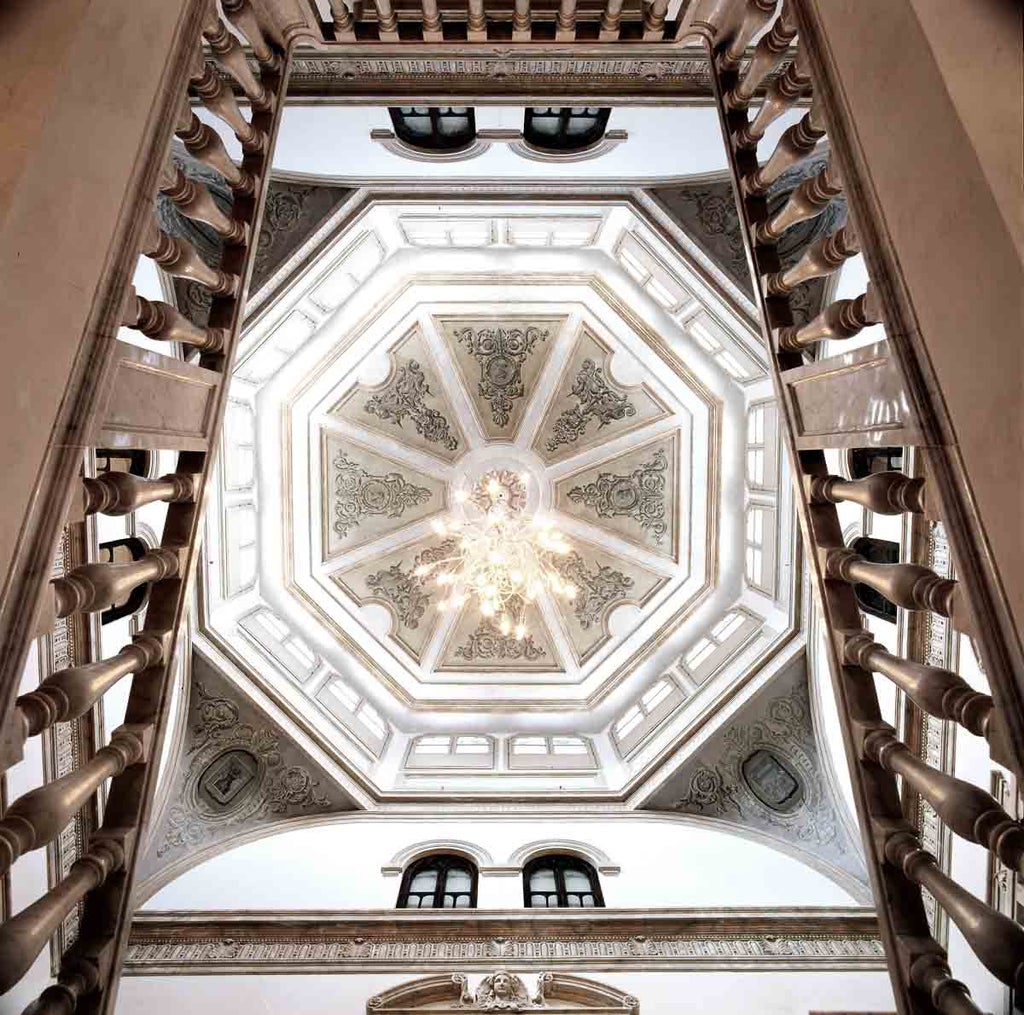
{"points": [[404, 398], [359, 493], [597, 588], [402, 591], [500, 353], [596, 398], [487, 644], [640, 495], [511, 492]]}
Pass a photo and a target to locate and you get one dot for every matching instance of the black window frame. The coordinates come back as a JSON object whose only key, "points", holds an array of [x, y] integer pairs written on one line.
{"points": [[878, 551], [139, 596], [437, 142], [560, 863], [443, 862], [562, 141]]}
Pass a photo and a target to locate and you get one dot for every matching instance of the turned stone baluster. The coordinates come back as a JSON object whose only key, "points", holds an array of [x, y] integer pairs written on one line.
{"points": [[476, 25], [345, 22], [785, 90], [231, 57], [177, 257], [197, 203], [885, 493], [936, 691], [611, 20], [433, 29], [565, 23], [654, 20], [94, 587], [160, 321], [718, 18], [121, 493], [220, 100], [39, 816], [755, 17], [840, 320], [971, 812], [930, 973], [204, 143], [908, 585], [24, 935], [766, 57], [806, 201], [70, 693], [243, 17], [387, 21], [821, 258], [795, 144], [78, 976], [521, 21], [996, 939]]}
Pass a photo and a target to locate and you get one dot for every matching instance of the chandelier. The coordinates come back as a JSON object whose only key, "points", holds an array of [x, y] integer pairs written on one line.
{"points": [[498, 556]]}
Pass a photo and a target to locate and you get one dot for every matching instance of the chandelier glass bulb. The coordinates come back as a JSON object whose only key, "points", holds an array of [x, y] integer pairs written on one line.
{"points": [[499, 557]]}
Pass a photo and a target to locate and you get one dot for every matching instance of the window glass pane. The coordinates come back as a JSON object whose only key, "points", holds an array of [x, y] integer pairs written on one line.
{"points": [[424, 881], [539, 901], [458, 881], [576, 881], [656, 694], [574, 901], [542, 880], [589, 901]]}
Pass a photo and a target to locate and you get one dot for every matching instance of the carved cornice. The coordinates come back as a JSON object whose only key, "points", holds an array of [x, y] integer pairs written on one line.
{"points": [[393, 941]]}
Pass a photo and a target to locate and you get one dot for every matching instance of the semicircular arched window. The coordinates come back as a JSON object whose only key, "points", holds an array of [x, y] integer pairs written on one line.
{"points": [[434, 128], [565, 128], [558, 881], [439, 881]]}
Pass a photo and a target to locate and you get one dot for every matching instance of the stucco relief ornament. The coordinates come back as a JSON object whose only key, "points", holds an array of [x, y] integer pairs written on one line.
{"points": [[596, 398], [502, 991], [402, 591], [501, 353], [405, 398], [596, 587], [487, 643], [359, 493], [639, 495]]}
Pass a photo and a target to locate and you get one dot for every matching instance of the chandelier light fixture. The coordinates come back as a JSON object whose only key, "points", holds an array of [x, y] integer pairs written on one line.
{"points": [[497, 555]]}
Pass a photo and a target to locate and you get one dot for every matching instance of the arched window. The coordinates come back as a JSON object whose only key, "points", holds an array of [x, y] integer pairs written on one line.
{"points": [[440, 881], [864, 462], [565, 128], [434, 128], [878, 551], [124, 551], [556, 881]]}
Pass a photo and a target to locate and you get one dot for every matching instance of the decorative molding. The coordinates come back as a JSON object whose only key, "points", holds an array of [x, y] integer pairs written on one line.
{"points": [[394, 144], [611, 140], [596, 398], [409, 854], [600, 859], [432, 940], [403, 396], [359, 493]]}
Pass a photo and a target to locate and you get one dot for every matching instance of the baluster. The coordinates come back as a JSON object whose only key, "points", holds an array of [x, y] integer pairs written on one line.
{"points": [[796, 143], [433, 29], [839, 320], [654, 20], [78, 976], [160, 321], [719, 18], [971, 812], [345, 22], [197, 203], [177, 257], [121, 493], [565, 24], [784, 92], [936, 691], [930, 972], [908, 585], [243, 17], [995, 939], [39, 816], [387, 21], [218, 98], [94, 587], [231, 57], [204, 143], [766, 58], [885, 493], [70, 693], [476, 26], [24, 935], [611, 20], [806, 201], [756, 16], [821, 258]]}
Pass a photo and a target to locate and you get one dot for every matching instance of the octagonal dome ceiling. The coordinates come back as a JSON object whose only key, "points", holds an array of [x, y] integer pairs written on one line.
{"points": [[415, 350]]}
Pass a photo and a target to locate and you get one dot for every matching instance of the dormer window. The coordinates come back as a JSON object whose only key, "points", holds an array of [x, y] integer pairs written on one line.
{"points": [[434, 128], [565, 128]]}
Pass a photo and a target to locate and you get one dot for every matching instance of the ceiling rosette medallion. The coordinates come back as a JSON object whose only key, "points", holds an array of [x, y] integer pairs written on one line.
{"points": [[368, 496], [500, 360], [634, 495], [411, 406], [589, 407]]}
